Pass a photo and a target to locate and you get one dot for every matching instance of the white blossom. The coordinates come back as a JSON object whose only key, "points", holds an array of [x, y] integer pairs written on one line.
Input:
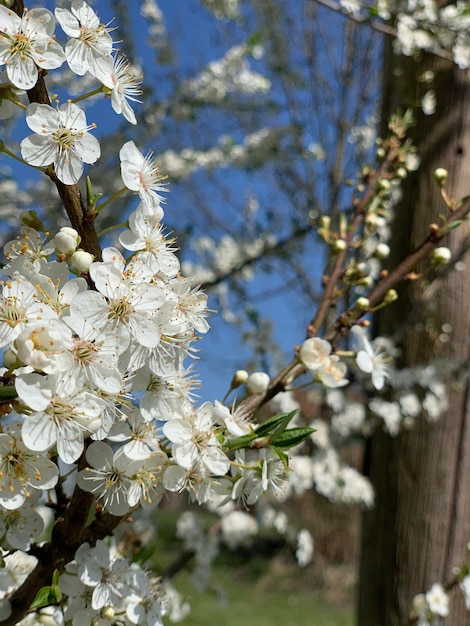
{"points": [[90, 45], [61, 138], [27, 43]]}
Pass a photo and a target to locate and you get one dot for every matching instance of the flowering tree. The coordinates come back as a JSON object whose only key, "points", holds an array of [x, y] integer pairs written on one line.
{"points": [[99, 418]]}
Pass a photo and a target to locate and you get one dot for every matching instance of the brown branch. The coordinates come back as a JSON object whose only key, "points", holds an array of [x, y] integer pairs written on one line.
{"points": [[328, 299], [344, 322], [69, 194]]}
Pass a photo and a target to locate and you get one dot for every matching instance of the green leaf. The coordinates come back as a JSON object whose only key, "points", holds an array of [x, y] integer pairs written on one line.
{"points": [[243, 441], [277, 423], [282, 455], [453, 225], [292, 437], [44, 597], [48, 595]]}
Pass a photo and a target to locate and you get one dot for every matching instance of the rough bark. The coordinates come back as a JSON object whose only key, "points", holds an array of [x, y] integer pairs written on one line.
{"points": [[420, 526]]}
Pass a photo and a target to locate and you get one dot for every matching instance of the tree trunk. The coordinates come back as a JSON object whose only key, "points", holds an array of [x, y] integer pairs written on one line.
{"points": [[420, 526]]}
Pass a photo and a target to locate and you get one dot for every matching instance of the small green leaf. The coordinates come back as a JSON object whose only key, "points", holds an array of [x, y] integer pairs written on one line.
{"points": [[292, 437], [282, 456], [48, 595], [277, 423], [453, 225], [44, 597], [243, 441]]}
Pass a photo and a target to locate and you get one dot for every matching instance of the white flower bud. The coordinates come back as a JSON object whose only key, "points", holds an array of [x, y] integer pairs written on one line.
{"points": [[107, 612], [384, 184], [81, 261], [257, 382], [440, 175], [338, 246], [66, 240], [362, 304], [239, 378], [382, 251], [441, 256]]}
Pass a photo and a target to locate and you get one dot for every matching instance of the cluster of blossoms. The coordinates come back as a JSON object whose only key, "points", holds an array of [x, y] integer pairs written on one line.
{"points": [[231, 73], [98, 391], [422, 25], [95, 350]]}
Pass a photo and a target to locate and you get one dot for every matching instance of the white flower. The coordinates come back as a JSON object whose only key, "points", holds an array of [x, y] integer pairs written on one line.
{"points": [[61, 138], [18, 307], [145, 237], [105, 574], [195, 442], [90, 46], [108, 477], [141, 174], [21, 469], [27, 42], [143, 603], [146, 486], [372, 360], [123, 85], [122, 305], [304, 552], [314, 352], [238, 528], [465, 587], [95, 357], [332, 373], [46, 347], [438, 600], [22, 525], [62, 414], [236, 423], [194, 480]]}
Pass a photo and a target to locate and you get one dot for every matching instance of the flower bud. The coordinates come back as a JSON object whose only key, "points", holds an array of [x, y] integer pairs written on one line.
{"points": [[107, 612], [257, 382], [81, 261], [362, 304], [9, 359], [441, 256], [382, 251], [239, 378], [32, 220], [440, 175], [384, 184], [338, 246], [66, 240], [390, 296]]}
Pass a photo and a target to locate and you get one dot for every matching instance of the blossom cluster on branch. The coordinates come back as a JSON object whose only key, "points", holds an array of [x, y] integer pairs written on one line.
{"points": [[99, 417]]}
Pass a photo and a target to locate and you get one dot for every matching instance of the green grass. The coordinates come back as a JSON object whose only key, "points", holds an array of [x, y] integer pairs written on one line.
{"points": [[245, 606], [266, 588]]}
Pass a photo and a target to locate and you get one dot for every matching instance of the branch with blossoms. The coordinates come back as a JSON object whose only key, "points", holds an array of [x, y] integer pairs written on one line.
{"points": [[98, 413], [442, 31]]}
